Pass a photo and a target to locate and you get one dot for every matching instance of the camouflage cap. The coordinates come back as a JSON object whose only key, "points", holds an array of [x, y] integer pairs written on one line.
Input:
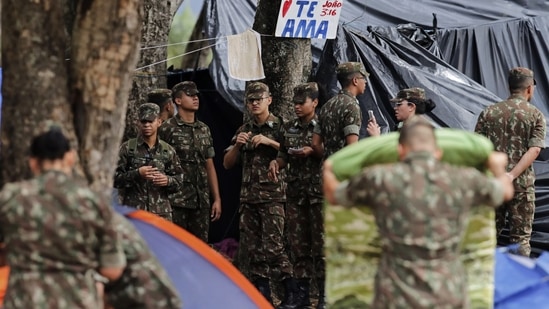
{"points": [[410, 94], [159, 95], [255, 90], [352, 67], [303, 90], [148, 111], [187, 87], [519, 73]]}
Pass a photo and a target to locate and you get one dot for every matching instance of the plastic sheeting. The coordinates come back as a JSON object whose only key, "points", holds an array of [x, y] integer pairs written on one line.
{"points": [[461, 59]]}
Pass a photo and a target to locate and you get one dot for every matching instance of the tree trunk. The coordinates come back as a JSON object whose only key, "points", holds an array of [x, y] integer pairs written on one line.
{"points": [[90, 103], [104, 53], [287, 62], [151, 71], [35, 78]]}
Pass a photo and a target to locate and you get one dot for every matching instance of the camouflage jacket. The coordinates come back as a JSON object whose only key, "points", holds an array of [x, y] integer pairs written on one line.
{"points": [[421, 208], [194, 145], [513, 126], [339, 117], [144, 282], [256, 185], [139, 192], [57, 233], [303, 174]]}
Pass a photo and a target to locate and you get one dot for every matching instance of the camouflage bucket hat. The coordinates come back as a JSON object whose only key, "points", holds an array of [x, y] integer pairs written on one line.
{"points": [[303, 90], [352, 67], [159, 96], [148, 111], [520, 73], [255, 90], [410, 94], [187, 87]]}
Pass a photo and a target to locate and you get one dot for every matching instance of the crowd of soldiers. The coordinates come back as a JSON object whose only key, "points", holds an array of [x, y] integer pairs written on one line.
{"points": [[168, 170]]}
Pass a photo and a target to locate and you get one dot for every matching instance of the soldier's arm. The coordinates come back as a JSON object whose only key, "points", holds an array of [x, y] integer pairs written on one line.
{"points": [[479, 127], [174, 173], [318, 145], [112, 259], [352, 121], [525, 161], [123, 176], [214, 189], [232, 153]]}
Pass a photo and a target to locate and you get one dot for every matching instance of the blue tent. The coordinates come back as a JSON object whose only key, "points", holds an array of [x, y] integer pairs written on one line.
{"points": [[521, 282], [203, 277]]}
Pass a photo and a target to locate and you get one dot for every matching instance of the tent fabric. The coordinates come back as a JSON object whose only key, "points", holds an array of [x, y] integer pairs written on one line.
{"points": [[203, 278], [521, 282]]}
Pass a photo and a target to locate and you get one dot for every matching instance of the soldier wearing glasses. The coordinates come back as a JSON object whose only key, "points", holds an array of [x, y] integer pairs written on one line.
{"points": [[340, 117], [262, 216]]}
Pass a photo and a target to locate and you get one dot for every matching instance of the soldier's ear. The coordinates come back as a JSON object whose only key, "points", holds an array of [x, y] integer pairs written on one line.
{"points": [[69, 159]]}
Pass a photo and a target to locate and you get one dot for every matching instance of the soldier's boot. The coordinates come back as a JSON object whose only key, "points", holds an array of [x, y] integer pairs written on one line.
{"points": [[303, 294], [321, 294], [264, 287], [290, 300]]}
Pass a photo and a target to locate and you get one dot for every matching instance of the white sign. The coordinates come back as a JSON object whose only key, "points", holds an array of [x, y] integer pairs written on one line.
{"points": [[308, 19]]}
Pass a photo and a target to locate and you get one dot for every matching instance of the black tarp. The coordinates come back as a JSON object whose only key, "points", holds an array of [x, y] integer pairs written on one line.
{"points": [[461, 59]]}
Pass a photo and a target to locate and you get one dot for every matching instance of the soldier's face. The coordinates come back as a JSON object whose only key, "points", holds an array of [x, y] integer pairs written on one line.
{"points": [[188, 102], [260, 105], [403, 110], [149, 128], [305, 109], [361, 83]]}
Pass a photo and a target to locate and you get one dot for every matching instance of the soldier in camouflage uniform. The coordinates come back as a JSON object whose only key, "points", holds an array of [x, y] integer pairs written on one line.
{"points": [[262, 215], [163, 98], [304, 199], [148, 168], [144, 283], [59, 235], [193, 143], [340, 118], [421, 208], [408, 103], [517, 128]]}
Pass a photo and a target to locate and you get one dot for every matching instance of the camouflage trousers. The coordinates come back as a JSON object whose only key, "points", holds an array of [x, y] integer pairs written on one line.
{"points": [[518, 214], [262, 226], [305, 236], [195, 221]]}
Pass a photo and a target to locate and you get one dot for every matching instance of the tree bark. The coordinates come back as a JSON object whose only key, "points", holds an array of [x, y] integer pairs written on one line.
{"points": [[151, 71], [287, 62], [35, 78], [105, 50]]}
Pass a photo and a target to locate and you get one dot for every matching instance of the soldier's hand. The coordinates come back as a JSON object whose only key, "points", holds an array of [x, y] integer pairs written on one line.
{"points": [[260, 139], [273, 171], [216, 210], [148, 172], [373, 128], [242, 138], [303, 152], [160, 179]]}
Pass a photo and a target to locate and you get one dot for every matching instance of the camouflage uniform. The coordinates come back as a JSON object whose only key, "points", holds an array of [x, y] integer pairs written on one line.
{"points": [[421, 208], [515, 125], [262, 203], [340, 116], [144, 284], [194, 145], [139, 192], [57, 233], [304, 199]]}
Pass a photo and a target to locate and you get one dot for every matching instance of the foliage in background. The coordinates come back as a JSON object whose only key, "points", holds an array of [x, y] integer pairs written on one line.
{"points": [[181, 29]]}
